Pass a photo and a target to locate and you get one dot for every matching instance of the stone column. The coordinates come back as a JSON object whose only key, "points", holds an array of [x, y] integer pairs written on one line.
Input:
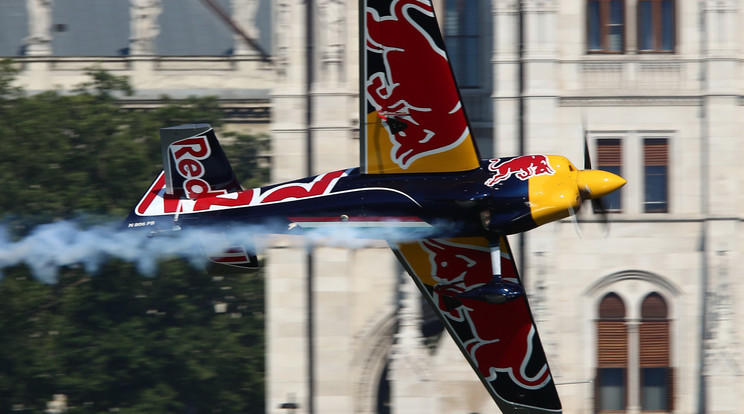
{"points": [[506, 76], [39, 40], [244, 16], [410, 371], [332, 30], [633, 368], [144, 28]]}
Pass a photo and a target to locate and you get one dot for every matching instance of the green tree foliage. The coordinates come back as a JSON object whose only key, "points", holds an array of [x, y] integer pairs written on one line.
{"points": [[181, 342], [64, 155]]}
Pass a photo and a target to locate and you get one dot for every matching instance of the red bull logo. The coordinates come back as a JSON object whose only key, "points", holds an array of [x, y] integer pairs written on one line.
{"points": [[499, 346], [423, 114], [522, 167], [188, 155]]}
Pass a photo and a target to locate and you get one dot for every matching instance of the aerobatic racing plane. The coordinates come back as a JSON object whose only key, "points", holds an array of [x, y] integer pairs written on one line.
{"points": [[420, 172]]}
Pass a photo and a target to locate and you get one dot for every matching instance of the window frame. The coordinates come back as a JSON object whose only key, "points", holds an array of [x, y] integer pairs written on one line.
{"points": [[464, 37], [623, 372], [657, 27], [611, 327], [665, 389], [634, 342], [615, 169], [655, 313], [648, 204], [604, 25], [632, 196]]}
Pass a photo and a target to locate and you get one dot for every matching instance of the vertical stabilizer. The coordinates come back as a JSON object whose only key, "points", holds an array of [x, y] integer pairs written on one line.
{"points": [[194, 164]]}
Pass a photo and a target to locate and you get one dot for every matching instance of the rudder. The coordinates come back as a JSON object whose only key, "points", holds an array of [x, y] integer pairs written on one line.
{"points": [[194, 163]]}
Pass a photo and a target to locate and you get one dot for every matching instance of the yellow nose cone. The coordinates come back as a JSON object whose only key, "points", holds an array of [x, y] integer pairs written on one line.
{"points": [[598, 183]]}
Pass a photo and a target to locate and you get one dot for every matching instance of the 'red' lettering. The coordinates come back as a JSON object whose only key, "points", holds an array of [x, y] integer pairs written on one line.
{"points": [[188, 154], [190, 168], [197, 147]]}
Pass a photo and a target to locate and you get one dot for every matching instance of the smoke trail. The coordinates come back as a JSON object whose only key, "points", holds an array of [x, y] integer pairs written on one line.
{"points": [[49, 247]]}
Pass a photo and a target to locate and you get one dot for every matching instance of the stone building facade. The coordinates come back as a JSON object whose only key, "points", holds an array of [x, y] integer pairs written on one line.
{"points": [[635, 317], [165, 48]]}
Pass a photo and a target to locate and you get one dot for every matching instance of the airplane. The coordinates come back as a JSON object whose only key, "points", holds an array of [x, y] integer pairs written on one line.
{"points": [[421, 186]]}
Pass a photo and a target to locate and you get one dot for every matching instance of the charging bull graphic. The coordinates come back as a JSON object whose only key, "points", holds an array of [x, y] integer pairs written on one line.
{"points": [[500, 347], [423, 114], [522, 167]]}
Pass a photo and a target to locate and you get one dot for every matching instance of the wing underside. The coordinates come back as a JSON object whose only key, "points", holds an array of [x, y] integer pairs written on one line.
{"points": [[499, 340], [412, 115]]}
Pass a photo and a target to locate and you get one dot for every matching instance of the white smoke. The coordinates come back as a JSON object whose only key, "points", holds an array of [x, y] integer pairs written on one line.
{"points": [[49, 247]]}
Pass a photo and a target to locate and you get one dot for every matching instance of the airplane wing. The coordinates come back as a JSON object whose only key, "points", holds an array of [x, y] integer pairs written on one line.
{"points": [[412, 116], [499, 340]]}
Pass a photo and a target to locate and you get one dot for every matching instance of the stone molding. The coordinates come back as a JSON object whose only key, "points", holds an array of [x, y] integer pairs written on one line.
{"points": [[604, 282]]}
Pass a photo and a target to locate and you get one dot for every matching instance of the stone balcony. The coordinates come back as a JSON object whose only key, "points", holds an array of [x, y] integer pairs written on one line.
{"points": [[241, 83]]}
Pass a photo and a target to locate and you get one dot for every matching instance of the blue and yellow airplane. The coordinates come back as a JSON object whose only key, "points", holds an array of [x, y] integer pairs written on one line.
{"points": [[420, 179]]}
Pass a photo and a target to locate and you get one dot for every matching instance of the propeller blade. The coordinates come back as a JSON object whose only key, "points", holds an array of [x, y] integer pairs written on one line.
{"points": [[587, 155], [598, 207], [594, 184], [575, 221]]}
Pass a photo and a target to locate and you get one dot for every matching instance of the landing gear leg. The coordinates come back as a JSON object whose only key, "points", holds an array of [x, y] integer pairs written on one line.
{"points": [[498, 290]]}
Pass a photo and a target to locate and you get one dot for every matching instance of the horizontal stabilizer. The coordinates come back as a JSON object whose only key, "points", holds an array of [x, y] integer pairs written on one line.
{"points": [[227, 254]]}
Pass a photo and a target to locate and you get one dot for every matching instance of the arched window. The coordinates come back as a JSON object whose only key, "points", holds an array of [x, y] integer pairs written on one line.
{"points": [[612, 355], [656, 373]]}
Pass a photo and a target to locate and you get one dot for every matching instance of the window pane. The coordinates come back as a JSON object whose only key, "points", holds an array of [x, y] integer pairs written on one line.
{"points": [[667, 25], [451, 17], [455, 55], [654, 307], [594, 38], [616, 38], [656, 183], [653, 393], [655, 160], [617, 26], [656, 189], [645, 29], [609, 158], [470, 18], [616, 12], [462, 40], [612, 307], [612, 200], [612, 388], [470, 69]]}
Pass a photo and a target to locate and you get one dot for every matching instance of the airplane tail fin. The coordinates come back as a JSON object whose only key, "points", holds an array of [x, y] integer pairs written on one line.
{"points": [[194, 167], [194, 163]]}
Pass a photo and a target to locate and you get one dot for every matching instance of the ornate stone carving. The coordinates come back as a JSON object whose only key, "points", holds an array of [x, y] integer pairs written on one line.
{"points": [[144, 28], [39, 40], [282, 35], [331, 25], [244, 16]]}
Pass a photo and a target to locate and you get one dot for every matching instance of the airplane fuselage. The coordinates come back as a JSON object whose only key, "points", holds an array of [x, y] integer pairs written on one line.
{"points": [[505, 196]]}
